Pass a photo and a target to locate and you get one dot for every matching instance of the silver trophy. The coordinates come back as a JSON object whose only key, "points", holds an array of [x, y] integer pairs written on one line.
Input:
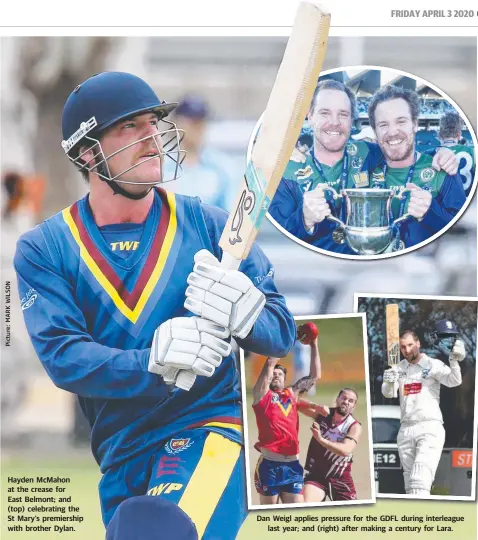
{"points": [[368, 229]]}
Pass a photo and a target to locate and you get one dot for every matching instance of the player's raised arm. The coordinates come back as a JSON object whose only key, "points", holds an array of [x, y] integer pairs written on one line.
{"points": [[451, 375], [315, 372], [264, 380], [308, 334], [310, 409], [344, 448], [58, 330]]}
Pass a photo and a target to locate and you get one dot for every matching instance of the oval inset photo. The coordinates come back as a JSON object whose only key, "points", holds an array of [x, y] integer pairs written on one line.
{"points": [[384, 164]]}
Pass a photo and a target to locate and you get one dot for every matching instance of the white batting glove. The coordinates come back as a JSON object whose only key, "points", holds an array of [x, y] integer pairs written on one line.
{"points": [[188, 343], [445, 160], [390, 376], [420, 201], [227, 297], [315, 208], [458, 352]]}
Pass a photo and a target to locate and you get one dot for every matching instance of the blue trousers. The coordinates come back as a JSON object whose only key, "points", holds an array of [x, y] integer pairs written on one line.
{"points": [[201, 471]]}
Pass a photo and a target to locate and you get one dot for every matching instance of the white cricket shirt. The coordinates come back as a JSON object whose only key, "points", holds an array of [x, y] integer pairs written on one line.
{"points": [[420, 388]]}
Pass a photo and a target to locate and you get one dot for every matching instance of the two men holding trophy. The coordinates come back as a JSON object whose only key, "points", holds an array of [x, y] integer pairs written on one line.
{"points": [[355, 197]]}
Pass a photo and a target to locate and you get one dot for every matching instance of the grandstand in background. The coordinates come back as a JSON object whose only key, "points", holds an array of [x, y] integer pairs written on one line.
{"points": [[433, 105]]}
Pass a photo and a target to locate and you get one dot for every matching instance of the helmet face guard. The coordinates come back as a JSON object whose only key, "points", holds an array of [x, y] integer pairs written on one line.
{"points": [[169, 148], [445, 336], [104, 100]]}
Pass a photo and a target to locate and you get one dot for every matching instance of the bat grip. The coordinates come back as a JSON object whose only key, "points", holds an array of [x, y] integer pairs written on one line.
{"points": [[396, 385], [186, 378], [228, 262]]}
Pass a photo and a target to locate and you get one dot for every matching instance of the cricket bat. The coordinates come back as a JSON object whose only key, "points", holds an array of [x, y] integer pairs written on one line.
{"points": [[393, 340], [281, 124]]}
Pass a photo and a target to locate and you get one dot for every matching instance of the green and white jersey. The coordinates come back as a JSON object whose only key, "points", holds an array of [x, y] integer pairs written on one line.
{"points": [[303, 169], [424, 176], [466, 164]]}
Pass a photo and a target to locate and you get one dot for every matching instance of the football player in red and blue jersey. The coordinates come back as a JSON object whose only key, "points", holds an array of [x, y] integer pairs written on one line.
{"points": [[279, 477]]}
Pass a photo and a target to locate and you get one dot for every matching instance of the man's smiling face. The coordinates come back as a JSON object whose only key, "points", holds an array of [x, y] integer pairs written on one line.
{"points": [[331, 120], [395, 130]]}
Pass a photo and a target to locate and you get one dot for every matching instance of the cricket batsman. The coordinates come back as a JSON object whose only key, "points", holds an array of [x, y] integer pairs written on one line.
{"points": [[111, 288], [421, 436]]}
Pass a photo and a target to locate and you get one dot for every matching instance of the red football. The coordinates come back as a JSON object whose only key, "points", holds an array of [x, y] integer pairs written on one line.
{"points": [[306, 333]]}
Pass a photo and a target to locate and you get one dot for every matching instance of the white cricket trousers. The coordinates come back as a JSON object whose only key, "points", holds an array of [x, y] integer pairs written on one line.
{"points": [[420, 446]]}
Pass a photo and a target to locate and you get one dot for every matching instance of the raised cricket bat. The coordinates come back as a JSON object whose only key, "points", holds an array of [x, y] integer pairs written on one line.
{"points": [[281, 124], [393, 340]]}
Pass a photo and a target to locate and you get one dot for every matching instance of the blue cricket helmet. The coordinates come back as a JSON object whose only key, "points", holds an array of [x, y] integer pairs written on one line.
{"points": [[107, 98], [446, 328], [445, 336], [104, 100]]}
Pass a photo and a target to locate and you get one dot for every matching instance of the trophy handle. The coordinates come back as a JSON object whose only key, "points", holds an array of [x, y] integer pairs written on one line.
{"points": [[335, 196], [407, 215], [337, 220], [326, 187]]}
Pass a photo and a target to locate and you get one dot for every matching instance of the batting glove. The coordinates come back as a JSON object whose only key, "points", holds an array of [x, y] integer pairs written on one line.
{"points": [[458, 352], [390, 376], [226, 297], [188, 343]]}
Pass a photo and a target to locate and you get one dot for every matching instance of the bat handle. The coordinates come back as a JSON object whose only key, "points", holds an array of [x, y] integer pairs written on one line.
{"points": [[228, 262], [396, 385], [186, 378]]}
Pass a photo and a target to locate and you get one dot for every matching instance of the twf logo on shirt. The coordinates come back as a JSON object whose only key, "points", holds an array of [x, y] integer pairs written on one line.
{"points": [[413, 388], [125, 246]]}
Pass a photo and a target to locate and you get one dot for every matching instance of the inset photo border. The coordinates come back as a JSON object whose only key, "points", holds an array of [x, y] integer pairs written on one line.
{"points": [[430, 327], [346, 192], [342, 349]]}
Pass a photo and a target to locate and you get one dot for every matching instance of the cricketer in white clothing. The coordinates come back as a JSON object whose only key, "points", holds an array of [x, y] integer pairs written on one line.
{"points": [[421, 436]]}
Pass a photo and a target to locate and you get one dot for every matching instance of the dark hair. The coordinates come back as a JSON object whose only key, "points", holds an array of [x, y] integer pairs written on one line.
{"points": [[348, 390], [306, 138], [451, 125], [331, 84], [389, 92], [86, 145], [406, 333], [283, 368]]}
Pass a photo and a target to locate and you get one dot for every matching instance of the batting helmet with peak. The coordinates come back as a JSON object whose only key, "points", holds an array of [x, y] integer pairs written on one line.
{"points": [[446, 328], [104, 100]]}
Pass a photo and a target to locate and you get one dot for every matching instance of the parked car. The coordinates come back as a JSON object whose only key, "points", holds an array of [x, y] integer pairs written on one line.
{"points": [[388, 470]]}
